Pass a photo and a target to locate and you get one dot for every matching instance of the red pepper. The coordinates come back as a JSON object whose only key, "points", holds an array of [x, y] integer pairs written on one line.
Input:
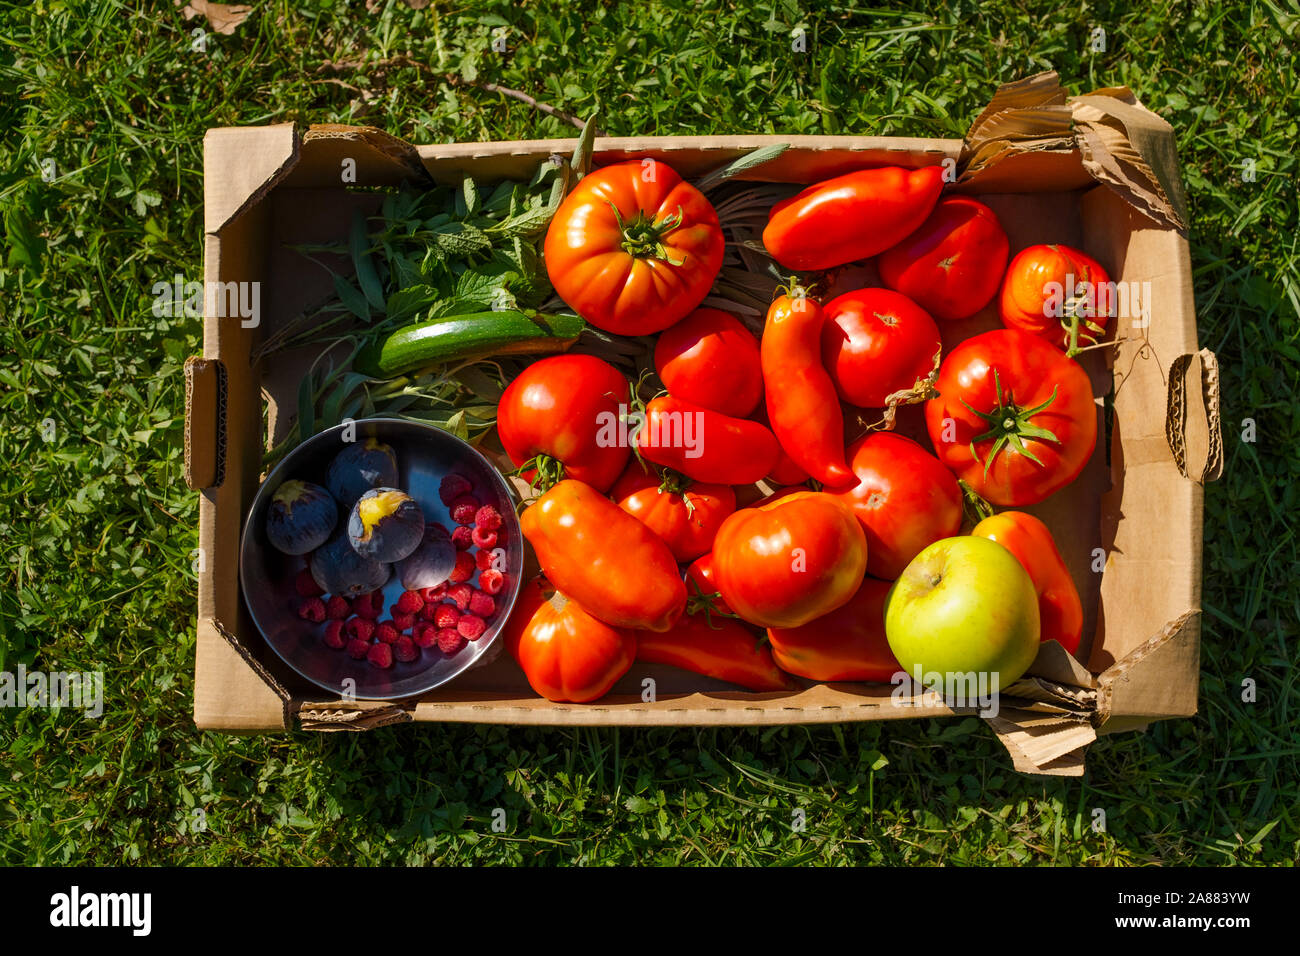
{"points": [[1060, 611], [724, 649], [801, 398]]}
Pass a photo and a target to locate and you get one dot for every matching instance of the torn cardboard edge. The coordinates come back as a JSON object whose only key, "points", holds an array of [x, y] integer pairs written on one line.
{"points": [[205, 416], [1120, 143], [1193, 427]]}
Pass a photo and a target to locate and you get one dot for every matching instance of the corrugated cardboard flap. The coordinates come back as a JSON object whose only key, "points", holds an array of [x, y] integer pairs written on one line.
{"points": [[355, 716], [1045, 719], [1192, 424], [241, 164], [1158, 678], [1113, 138], [205, 422]]}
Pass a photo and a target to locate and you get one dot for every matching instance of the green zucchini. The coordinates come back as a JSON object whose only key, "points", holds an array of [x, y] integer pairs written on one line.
{"points": [[460, 337]]}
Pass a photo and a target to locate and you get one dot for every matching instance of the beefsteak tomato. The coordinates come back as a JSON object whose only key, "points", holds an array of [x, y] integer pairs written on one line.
{"points": [[566, 654], [633, 248], [1014, 419]]}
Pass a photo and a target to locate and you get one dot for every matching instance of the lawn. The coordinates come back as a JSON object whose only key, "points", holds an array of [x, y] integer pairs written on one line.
{"points": [[103, 107]]}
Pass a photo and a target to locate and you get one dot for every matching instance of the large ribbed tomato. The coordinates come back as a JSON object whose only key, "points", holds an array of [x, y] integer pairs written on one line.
{"points": [[633, 248], [566, 654], [1014, 419]]}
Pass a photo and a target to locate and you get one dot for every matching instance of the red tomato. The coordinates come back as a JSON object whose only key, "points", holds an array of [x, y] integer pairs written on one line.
{"points": [[566, 654], [1014, 419], [846, 644], [723, 649], [876, 342], [1057, 292], [602, 557], [553, 412], [706, 445], [801, 403], [710, 359], [685, 514], [905, 498], [953, 264], [703, 588], [791, 560], [850, 217], [633, 248]]}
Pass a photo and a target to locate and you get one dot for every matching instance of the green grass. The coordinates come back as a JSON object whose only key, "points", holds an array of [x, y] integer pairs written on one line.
{"points": [[98, 524]]}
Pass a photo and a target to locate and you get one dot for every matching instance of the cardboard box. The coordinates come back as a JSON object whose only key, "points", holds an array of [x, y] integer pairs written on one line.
{"points": [[1096, 171]]}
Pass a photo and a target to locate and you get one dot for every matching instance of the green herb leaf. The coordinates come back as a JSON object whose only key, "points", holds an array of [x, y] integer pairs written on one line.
{"points": [[367, 277], [751, 160], [352, 298]]}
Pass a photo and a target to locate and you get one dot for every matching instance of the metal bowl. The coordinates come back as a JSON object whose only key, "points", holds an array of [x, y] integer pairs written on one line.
{"points": [[424, 456]]}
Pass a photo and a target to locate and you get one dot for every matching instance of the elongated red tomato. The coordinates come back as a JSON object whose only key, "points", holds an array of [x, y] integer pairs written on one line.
{"points": [[633, 248], [553, 414], [606, 560], [849, 643], [710, 359], [706, 445], [952, 265], [1060, 612], [905, 499], [801, 399], [876, 342], [566, 654], [850, 217], [723, 649], [1014, 419], [685, 514]]}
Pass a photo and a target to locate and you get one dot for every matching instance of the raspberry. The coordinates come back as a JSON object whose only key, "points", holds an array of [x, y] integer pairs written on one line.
{"points": [[453, 487], [385, 632], [445, 616], [471, 626], [369, 606], [409, 603], [487, 518], [449, 641], [311, 609], [337, 608], [434, 595], [426, 635], [405, 650], [463, 571], [462, 537], [483, 560], [491, 581], [334, 636], [357, 648], [361, 629], [403, 622], [461, 594], [484, 539], [482, 605], [429, 613], [381, 655], [463, 509], [306, 585]]}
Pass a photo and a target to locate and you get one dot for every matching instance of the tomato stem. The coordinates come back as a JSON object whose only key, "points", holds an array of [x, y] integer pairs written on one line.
{"points": [[643, 237], [1009, 426]]}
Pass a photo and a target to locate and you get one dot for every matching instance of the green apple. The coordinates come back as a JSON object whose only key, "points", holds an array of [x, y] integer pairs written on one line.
{"points": [[964, 606]]}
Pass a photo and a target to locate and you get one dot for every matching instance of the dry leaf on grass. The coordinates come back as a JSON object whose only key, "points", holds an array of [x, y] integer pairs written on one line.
{"points": [[222, 17]]}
